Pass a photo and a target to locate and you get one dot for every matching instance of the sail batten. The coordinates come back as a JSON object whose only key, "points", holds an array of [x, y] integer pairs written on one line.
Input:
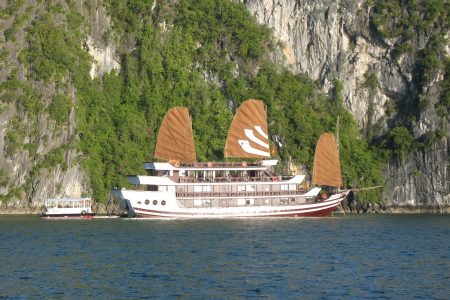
{"points": [[248, 135], [175, 139], [327, 166]]}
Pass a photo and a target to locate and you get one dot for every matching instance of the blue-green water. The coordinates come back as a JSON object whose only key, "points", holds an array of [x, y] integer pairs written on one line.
{"points": [[364, 256]]}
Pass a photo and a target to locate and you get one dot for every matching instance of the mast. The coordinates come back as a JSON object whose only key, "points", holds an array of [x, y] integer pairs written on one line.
{"points": [[337, 133]]}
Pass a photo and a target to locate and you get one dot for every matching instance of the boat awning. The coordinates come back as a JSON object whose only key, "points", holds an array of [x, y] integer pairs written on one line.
{"points": [[162, 180], [67, 199]]}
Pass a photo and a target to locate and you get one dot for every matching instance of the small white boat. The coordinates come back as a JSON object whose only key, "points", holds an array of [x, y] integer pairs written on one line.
{"points": [[181, 187], [63, 208]]}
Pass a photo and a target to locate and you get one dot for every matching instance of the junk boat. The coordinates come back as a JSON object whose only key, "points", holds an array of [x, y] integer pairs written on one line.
{"points": [[181, 187], [76, 208]]}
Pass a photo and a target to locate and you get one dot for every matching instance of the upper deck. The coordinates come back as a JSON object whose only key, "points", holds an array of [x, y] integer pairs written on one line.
{"points": [[169, 174], [199, 166]]}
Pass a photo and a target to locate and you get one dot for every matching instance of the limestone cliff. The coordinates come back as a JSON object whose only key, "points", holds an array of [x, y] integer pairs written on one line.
{"points": [[334, 40], [38, 156]]}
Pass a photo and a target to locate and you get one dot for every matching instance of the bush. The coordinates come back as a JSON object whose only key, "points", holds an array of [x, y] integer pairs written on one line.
{"points": [[60, 108]]}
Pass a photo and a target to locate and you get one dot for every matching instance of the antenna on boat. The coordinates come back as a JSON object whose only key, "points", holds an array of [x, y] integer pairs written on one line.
{"points": [[337, 133]]}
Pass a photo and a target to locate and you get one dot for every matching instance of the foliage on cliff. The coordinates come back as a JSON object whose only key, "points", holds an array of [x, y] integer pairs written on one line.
{"points": [[418, 30], [206, 55]]}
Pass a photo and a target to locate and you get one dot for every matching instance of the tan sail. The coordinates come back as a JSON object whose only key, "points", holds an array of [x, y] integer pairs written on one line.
{"points": [[175, 140], [248, 135], [327, 166]]}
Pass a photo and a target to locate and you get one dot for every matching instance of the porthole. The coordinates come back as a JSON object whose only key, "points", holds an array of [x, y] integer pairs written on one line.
{"points": [[147, 202], [155, 202], [163, 202], [139, 202]]}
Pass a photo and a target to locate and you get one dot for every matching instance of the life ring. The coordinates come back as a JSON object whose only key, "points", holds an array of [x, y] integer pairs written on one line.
{"points": [[209, 164], [324, 196], [175, 163], [274, 179], [244, 164]]}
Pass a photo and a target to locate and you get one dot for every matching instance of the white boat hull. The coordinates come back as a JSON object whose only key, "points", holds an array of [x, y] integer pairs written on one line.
{"points": [[138, 207]]}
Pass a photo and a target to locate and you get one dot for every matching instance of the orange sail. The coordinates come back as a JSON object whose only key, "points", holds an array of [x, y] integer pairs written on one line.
{"points": [[248, 135], [175, 139], [327, 166]]}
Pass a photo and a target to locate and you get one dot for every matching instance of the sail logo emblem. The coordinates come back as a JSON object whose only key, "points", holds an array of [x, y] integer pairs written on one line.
{"points": [[245, 144]]}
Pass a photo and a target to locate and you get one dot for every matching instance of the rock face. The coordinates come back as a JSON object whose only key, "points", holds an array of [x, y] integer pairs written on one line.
{"points": [[26, 179], [331, 40], [102, 50]]}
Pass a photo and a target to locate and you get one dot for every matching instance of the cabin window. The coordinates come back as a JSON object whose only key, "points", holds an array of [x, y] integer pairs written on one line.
{"points": [[292, 187], [155, 202], [250, 188], [147, 202], [162, 188], [246, 188], [153, 188], [244, 202], [163, 202], [202, 188], [252, 173], [284, 187], [284, 201], [202, 202]]}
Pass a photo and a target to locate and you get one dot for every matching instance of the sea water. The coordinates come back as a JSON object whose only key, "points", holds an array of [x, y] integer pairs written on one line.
{"points": [[346, 257]]}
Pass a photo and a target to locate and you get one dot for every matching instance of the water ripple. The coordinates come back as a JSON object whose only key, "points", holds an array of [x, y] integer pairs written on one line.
{"points": [[376, 257]]}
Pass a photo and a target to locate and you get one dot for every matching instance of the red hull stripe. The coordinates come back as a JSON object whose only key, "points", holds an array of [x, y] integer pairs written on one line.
{"points": [[320, 213], [299, 212]]}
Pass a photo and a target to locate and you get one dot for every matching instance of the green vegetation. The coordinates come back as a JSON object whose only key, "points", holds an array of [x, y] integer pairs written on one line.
{"points": [[418, 28], [406, 20], [15, 136], [400, 141], [60, 108], [443, 106], [371, 84]]}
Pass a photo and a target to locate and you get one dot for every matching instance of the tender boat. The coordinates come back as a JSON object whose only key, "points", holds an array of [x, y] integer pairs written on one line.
{"points": [[181, 187], [62, 208]]}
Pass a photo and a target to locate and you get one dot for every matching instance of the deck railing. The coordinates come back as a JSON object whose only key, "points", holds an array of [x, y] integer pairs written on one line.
{"points": [[239, 194], [211, 164], [231, 179]]}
